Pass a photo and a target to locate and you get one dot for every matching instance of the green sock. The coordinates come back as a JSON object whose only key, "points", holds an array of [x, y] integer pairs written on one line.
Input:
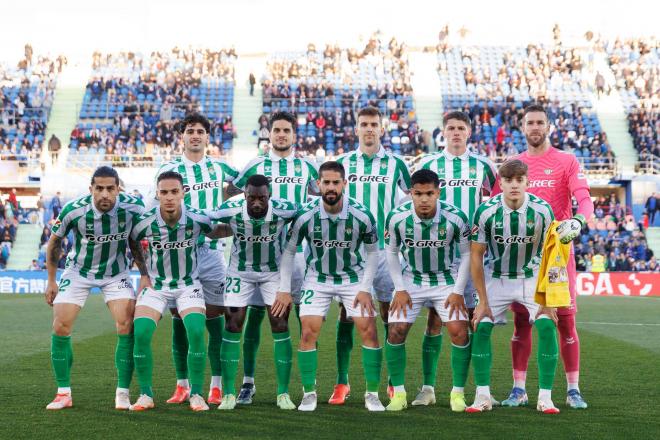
{"points": [[179, 348], [460, 363], [283, 360], [431, 346], [482, 353], [344, 346], [194, 323], [307, 363], [396, 362], [547, 352], [124, 360], [61, 357], [144, 329], [214, 327], [372, 360], [252, 338], [230, 352]]}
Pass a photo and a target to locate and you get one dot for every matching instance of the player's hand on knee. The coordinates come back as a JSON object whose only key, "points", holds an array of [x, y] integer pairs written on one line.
{"points": [[281, 304], [400, 303], [51, 293], [456, 304], [550, 312], [480, 312], [364, 300]]}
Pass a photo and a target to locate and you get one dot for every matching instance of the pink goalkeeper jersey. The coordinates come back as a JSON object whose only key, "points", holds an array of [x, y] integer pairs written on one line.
{"points": [[555, 177]]}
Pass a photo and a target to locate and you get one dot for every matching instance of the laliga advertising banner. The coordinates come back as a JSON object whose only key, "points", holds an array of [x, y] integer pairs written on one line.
{"points": [[588, 284]]}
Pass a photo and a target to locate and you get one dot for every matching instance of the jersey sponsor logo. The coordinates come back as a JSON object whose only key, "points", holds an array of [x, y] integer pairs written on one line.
{"points": [[106, 238], [331, 244], [285, 179], [173, 244], [409, 242], [514, 239], [542, 183], [352, 178], [453, 183], [256, 238], [202, 186]]}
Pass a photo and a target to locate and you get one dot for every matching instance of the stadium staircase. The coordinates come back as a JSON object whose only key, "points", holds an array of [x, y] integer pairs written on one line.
{"points": [[247, 109], [66, 107], [427, 90], [26, 247], [612, 116]]}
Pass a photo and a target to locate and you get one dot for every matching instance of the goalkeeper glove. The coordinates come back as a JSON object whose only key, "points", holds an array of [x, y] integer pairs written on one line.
{"points": [[568, 230]]}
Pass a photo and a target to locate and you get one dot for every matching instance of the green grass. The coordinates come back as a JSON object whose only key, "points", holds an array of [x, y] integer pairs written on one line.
{"points": [[619, 379]]}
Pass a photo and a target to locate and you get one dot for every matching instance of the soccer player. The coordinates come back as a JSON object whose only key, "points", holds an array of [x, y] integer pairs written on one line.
{"points": [[259, 224], [336, 228], [101, 223], [429, 234], [203, 180], [554, 176], [464, 178], [291, 179], [172, 230], [512, 227], [374, 178]]}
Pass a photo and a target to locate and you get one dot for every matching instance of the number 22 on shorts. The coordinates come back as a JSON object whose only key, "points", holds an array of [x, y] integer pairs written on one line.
{"points": [[306, 297]]}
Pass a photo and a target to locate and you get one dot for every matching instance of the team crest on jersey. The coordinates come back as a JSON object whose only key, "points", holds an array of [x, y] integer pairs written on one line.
{"points": [[473, 171], [349, 230], [297, 169], [189, 232], [383, 165], [442, 231], [122, 224], [547, 171], [530, 224]]}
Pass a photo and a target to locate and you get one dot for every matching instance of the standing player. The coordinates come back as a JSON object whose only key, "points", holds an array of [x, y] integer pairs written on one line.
{"points": [[464, 178], [259, 224], [291, 179], [512, 227], [172, 230], [374, 177], [203, 180], [429, 234], [101, 223], [335, 228], [556, 177]]}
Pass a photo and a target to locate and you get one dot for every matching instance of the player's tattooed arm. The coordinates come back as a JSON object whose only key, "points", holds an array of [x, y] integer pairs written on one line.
{"points": [[220, 230], [138, 256], [53, 254], [230, 191]]}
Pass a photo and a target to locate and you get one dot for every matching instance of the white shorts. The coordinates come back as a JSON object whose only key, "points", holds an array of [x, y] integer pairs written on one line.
{"points": [[502, 292], [383, 285], [244, 289], [298, 276], [316, 297], [185, 298], [427, 296], [212, 269], [74, 289]]}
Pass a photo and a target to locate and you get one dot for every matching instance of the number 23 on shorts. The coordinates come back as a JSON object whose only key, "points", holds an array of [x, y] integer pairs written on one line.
{"points": [[233, 285], [306, 297]]}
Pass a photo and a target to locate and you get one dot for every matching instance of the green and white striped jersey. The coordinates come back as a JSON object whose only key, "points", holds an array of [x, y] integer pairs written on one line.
{"points": [[257, 242], [462, 178], [172, 251], [373, 182], [429, 247], [99, 239], [202, 183], [290, 177], [334, 245], [514, 238]]}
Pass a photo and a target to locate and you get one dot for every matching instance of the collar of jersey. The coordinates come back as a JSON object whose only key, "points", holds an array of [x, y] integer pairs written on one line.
{"points": [[182, 220], [190, 163], [274, 157], [342, 215], [268, 217], [520, 210], [379, 154], [435, 219], [463, 156], [112, 212]]}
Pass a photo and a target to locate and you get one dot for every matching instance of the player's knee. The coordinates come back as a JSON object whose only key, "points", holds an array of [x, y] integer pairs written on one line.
{"points": [[396, 333], [62, 328], [384, 311], [279, 325], [458, 335], [433, 324], [308, 336], [124, 326]]}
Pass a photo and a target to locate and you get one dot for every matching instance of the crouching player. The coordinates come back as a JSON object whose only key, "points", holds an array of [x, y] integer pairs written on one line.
{"points": [[428, 233], [512, 227]]}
